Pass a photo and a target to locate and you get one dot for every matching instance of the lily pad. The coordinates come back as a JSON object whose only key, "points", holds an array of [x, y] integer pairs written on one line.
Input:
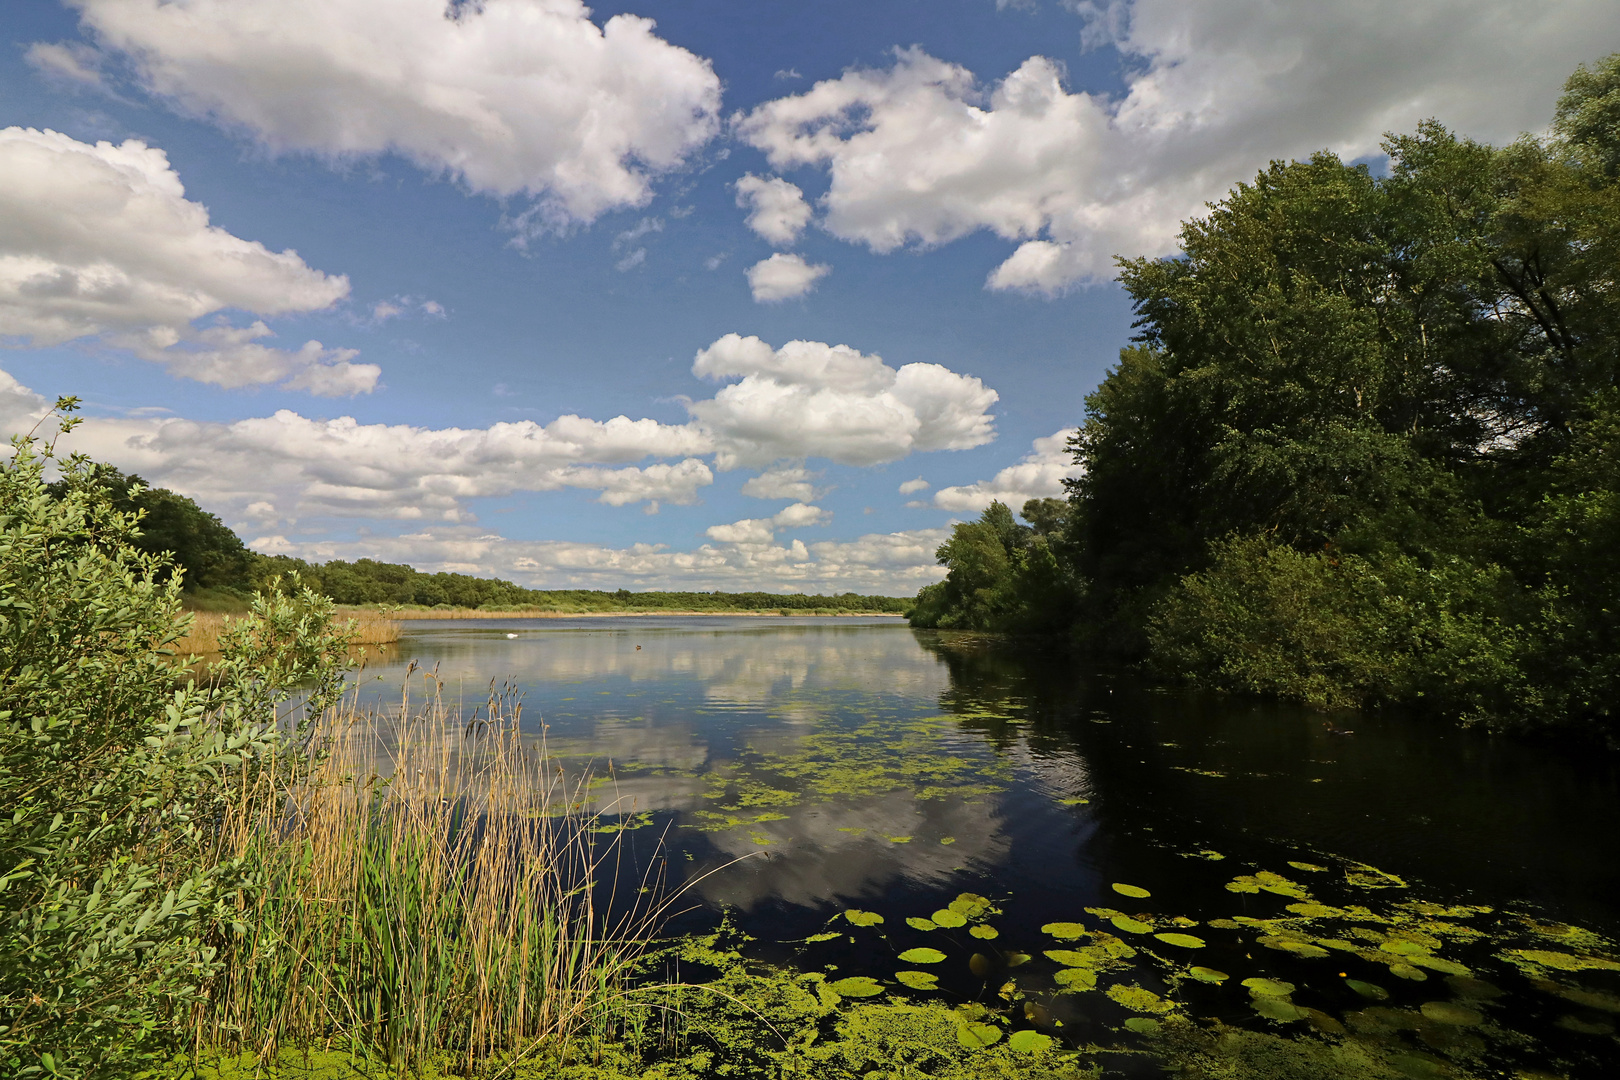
{"points": [[1065, 931], [1130, 925], [1564, 961], [1269, 987], [1449, 1012], [1407, 971], [858, 986], [1471, 989], [1076, 978], [1277, 1008], [985, 933], [1298, 948], [921, 924], [922, 955], [1029, 1042], [969, 904], [1370, 991], [978, 1036], [947, 917], [1069, 958], [917, 980], [813, 938], [1186, 941], [1142, 1025], [1131, 890], [981, 965], [1311, 867], [1440, 964], [863, 918], [1013, 959], [1208, 975]]}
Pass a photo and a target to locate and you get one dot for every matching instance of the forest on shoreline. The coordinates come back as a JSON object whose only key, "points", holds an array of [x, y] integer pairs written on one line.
{"points": [[1365, 446]]}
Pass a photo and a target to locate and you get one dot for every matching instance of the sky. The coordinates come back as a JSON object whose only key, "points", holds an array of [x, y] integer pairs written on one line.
{"points": [[683, 294]]}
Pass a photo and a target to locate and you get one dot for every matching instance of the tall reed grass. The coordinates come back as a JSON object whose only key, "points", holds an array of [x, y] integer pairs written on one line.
{"points": [[208, 627], [425, 889]]}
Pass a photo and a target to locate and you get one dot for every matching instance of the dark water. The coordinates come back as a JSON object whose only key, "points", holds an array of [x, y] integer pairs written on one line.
{"points": [[854, 764]]}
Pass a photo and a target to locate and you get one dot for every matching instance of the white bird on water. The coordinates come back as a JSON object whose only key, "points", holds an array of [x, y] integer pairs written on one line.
{"points": [[511, 635]]}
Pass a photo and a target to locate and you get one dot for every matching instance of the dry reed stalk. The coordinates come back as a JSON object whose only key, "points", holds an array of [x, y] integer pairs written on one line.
{"points": [[208, 627], [425, 888]]}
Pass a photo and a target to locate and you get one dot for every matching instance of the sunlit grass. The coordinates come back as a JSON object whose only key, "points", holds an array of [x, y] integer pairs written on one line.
{"points": [[208, 628]]}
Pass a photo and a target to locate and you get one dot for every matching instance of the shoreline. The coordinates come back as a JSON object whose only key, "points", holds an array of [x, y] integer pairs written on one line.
{"points": [[429, 614]]}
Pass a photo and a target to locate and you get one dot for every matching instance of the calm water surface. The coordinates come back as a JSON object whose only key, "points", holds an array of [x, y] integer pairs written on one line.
{"points": [[860, 765]]}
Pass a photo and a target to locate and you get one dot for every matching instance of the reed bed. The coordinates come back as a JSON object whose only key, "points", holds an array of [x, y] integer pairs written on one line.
{"points": [[427, 890], [208, 627]]}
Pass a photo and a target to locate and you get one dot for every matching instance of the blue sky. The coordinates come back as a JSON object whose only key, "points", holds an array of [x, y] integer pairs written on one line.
{"points": [[496, 216]]}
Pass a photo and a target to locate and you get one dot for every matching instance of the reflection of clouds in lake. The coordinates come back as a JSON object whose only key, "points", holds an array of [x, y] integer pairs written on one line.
{"points": [[832, 852]]}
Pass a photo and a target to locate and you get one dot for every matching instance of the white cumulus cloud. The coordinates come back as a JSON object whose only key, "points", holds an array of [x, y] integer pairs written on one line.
{"points": [[1039, 475], [784, 480], [911, 487], [100, 242], [776, 208], [810, 399], [924, 152], [783, 276], [510, 96]]}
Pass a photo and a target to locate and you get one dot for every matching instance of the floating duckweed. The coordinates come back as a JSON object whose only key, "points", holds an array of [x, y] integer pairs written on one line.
{"points": [[947, 917], [985, 933], [899, 839], [1370, 877], [858, 986], [1137, 999], [947, 839], [1225, 924], [1208, 975], [1370, 991], [1135, 891], [1076, 978], [971, 905], [1563, 961], [1064, 931], [1310, 867], [978, 1036], [1449, 1012], [863, 918], [1142, 1025], [1029, 1042], [1315, 911], [1073, 802], [922, 955], [1277, 1008], [1130, 925], [921, 924], [1269, 987], [917, 980], [1186, 941]]}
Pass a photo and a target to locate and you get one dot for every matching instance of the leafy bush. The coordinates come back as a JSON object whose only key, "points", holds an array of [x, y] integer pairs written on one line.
{"points": [[117, 771]]}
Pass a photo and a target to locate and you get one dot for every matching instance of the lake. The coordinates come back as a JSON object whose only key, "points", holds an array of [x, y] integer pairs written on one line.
{"points": [[1091, 854]]}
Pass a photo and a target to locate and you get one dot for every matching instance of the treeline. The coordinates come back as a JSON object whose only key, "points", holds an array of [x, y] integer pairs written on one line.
{"points": [[1365, 446], [218, 571]]}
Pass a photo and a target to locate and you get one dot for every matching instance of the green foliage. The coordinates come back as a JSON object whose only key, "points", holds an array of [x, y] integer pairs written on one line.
{"points": [[1363, 447], [116, 771], [1003, 576]]}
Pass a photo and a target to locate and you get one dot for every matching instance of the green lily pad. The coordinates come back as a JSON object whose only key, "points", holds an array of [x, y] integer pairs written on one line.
{"points": [[1029, 1042], [813, 938], [1069, 958], [1208, 975], [1565, 961], [1402, 947], [858, 986], [1586, 1027], [1130, 925], [922, 955], [969, 904], [1440, 964], [1013, 959], [1407, 971], [1131, 890], [1298, 948], [1065, 931], [921, 924], [1142, 1025], [981, 965], [1370, 991], [1312, 867], [1136, 999], [863, 918], [1277, 1008], [978, 1036], [985, 933], [1076, 978], [1186, 941], [947, 917], [917, 980], [1269, 987], [1315, 911], [1449, 1012]]}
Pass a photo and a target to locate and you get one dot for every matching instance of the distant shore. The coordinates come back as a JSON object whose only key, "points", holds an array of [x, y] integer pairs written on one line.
{"points": [[423, 614]]}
